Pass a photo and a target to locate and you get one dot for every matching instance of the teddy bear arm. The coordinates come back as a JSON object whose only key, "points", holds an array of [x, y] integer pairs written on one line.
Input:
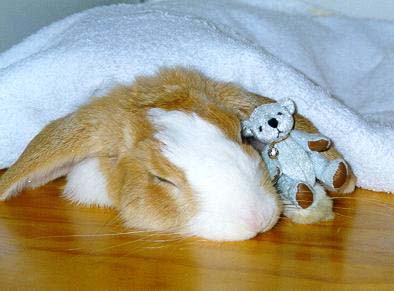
{"points": [[305, 125], [273, 166], [311, 141], [342, 175], [319, 145], [287, 188]]}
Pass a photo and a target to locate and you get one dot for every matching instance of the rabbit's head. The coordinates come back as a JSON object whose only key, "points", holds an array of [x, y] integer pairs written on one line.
{"points": [[165, 151]]}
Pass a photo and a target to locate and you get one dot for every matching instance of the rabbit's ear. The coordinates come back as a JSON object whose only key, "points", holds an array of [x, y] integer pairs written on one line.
{"points": [[51, 154]]}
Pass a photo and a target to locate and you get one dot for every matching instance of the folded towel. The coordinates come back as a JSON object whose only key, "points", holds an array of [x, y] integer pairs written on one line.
{"points": [[266, 46]]}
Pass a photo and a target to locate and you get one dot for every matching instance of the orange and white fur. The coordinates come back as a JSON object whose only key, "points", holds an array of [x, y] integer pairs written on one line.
{"points": [[166, 152]]}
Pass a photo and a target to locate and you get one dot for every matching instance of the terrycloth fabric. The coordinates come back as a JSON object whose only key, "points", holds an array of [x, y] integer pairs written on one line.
{"points": [[262, 45]]}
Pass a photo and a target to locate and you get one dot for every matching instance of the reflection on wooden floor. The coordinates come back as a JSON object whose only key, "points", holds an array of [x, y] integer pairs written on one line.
{"points": [[45, 242]]}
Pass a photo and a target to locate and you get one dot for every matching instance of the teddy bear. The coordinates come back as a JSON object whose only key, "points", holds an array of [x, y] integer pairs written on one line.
{"points": [[295, 163]]}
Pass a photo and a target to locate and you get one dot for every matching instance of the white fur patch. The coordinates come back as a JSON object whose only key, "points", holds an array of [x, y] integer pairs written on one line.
{"points": [[225, 180], [86, 184]]}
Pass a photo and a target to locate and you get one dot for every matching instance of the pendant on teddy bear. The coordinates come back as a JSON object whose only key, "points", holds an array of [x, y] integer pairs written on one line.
{"points": [[273, 152]]}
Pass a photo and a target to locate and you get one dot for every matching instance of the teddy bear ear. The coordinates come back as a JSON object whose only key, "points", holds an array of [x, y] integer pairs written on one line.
{"points": [[246, 128], [289, 105]]}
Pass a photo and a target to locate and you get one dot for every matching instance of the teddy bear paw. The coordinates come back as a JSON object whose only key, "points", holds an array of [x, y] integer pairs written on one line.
{"points": [[319, 145], [350, 184], [340, 176], [304, 196]]}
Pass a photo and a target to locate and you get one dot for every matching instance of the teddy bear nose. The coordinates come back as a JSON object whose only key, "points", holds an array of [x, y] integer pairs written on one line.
{"points": [[273, 122]]}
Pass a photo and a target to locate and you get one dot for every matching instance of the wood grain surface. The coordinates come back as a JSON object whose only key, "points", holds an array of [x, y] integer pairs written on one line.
{"points": [[48, 243]]}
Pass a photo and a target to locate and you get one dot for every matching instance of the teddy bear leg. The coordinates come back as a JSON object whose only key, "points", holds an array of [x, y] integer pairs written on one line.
{"points": [[350, 184], [304, 195], [332, 173], [335, 174], [294, 192], [320, 210]]}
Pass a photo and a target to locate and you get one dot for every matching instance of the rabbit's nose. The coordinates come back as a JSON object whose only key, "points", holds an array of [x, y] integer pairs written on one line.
{"points": [[273, 122], [253, 221]]}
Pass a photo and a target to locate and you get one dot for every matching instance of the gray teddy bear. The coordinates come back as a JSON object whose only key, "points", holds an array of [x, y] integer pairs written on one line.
{"points": [[295, 163]]}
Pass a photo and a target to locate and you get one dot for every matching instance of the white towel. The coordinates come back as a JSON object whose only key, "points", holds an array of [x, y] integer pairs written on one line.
{"points": [[266, 46]]}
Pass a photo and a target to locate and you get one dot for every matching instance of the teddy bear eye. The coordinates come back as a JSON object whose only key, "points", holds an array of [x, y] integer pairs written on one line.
{"points": [[279, 113], [260, 128]]}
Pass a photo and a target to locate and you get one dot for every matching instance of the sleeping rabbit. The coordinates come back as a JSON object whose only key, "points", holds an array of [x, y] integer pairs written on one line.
{"points": [[166, 152]]}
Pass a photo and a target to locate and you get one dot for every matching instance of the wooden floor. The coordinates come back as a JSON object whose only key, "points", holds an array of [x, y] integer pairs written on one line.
{"points": [[47, 243]]}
